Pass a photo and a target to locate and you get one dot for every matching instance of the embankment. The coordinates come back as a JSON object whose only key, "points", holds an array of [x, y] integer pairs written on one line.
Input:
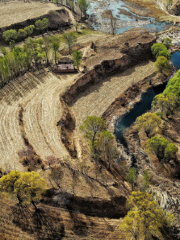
{"points": [[58, 20]]}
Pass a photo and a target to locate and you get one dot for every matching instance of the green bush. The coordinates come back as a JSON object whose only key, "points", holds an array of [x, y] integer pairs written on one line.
{"points": [[29, 29], [161, 147], [42, 24], [162, 64], [158, 49], [170, 151], [167, 42], [22, 34], [10, 35]]}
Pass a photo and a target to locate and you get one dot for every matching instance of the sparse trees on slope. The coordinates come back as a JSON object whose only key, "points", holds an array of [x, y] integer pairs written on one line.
{"points": [[145, 219], [47, 45], [131, 177], [84, 5], [145, 181], [105, 146], [56, 46], [28, 187], [148, 122]]}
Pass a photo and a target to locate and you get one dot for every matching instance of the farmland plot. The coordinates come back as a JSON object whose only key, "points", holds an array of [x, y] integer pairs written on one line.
{"points": [[38, 100]]}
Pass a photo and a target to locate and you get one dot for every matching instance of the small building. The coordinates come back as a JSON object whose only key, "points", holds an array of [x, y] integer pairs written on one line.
{"points": [[65, 65]]}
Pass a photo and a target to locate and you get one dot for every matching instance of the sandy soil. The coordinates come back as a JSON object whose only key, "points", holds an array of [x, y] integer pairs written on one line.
{"points": [[13, 12]]}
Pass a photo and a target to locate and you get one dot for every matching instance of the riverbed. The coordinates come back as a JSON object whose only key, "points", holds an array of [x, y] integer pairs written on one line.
{"points": [[125, 18]]}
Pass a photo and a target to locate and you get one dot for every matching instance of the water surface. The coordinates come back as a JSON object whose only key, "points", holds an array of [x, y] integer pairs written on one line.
{"points": [[175, 59]]}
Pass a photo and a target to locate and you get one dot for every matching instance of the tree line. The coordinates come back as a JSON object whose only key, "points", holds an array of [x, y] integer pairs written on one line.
{"points": [[13, 35], [164, 104], [35, 54]]}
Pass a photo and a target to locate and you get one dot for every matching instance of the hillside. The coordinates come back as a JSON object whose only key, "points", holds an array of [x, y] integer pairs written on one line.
{"points": [[40, 114]]}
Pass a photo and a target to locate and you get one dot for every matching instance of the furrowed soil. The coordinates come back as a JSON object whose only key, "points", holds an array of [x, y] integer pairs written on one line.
{"points": [[38, 96], [95, 100]]}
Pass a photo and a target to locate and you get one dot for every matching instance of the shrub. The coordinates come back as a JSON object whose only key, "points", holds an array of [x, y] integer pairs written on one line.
{"points": [[162, 148], [158, 49], [42, 24], [157, 145], [162, 64], [167, 42], [10, 35], [170, 151], [29, 29], [22, 34], [148, 122]]}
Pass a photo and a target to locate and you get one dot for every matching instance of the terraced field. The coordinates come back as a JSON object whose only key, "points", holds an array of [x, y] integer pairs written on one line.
{"points": [[20, 11], [96, 99], [34, 100], [37, 97]]}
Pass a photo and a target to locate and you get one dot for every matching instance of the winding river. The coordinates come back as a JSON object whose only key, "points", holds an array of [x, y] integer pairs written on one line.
{"points": [[126, 19], [143, 106]]}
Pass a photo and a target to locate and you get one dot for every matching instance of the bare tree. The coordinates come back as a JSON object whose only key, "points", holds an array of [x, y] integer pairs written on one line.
{"points": [[113, 21], [113, 24]]}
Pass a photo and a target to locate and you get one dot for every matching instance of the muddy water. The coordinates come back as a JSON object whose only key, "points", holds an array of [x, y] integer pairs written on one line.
{"points": [[125, 18]]}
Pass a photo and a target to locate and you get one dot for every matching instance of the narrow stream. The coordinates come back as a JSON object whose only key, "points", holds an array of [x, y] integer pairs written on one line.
{"points": [[143, 106], [126, 19]]}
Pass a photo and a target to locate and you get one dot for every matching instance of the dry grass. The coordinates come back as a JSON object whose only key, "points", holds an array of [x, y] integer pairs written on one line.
{"points": [[13, 12], [57, 223]]}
